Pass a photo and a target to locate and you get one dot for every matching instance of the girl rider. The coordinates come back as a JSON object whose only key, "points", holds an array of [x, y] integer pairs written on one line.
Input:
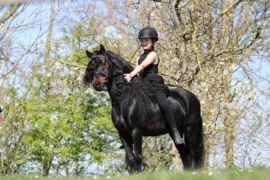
{"points": [[147, 68]]}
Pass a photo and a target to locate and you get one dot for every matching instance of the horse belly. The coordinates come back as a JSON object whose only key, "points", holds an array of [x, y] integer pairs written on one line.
{"points": [[155, 124]]}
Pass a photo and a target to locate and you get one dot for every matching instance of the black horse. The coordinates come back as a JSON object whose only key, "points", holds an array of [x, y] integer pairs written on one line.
{"points": [[135, 113]]}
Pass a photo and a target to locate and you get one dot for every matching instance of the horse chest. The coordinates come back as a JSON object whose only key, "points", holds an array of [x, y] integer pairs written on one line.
{"points": [[119, 122]]}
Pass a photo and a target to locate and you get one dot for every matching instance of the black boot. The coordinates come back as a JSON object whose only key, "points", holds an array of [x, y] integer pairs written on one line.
{"points": [[177, 138], [122, 147]]}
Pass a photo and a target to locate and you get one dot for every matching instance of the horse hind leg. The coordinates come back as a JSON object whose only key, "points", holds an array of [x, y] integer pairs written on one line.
{"points": [[183, 151], [127, 143]]}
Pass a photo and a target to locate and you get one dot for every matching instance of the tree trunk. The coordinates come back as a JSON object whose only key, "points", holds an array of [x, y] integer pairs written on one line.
{"points": [[229, 140], [76, 166], [176, 159], [48, 45], [47, 163], [206, 151], [47, 156], [229, 123]]}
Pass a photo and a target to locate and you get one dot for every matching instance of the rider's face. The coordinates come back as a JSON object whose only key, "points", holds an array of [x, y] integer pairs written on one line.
{"points": [[146, 43]]}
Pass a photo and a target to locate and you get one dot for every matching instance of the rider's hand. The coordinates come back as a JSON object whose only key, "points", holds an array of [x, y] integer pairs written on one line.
{"points": [[128, 77]]}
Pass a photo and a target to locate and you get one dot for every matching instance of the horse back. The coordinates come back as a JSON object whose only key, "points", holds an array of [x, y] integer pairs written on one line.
{"points": [[153, 123]]}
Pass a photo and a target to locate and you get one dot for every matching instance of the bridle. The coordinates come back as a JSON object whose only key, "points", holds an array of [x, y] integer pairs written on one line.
{"points": [[102, 57]]}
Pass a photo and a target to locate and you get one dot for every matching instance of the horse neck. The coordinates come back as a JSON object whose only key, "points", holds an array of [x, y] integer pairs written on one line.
{"points": [[112, 87]]}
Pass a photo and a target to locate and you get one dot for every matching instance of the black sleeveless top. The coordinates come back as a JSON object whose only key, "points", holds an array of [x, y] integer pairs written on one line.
{"points": [[149, 75], [152, 68]]}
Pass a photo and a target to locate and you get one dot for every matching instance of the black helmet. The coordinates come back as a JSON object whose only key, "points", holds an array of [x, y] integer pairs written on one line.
{"points": [[148, 32]]}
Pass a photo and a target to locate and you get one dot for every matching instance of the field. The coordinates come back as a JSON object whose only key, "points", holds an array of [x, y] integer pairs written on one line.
{"points": [[225, 174]]}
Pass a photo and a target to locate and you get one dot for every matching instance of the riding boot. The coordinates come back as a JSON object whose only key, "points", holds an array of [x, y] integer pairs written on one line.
{"points": [[122, 147], [177, 138]]}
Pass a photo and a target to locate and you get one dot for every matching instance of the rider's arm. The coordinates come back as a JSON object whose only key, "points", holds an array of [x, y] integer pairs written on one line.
{"points": [[150, 59]]}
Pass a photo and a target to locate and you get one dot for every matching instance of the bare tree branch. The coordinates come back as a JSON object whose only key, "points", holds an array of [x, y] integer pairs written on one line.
{"points": [[10, 12]]}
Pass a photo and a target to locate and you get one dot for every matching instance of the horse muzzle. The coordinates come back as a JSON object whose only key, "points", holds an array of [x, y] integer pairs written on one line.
{"points": [[99, 83]]}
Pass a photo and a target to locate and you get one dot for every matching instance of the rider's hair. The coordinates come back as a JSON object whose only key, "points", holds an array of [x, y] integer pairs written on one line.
{"points": [[153, 44]]}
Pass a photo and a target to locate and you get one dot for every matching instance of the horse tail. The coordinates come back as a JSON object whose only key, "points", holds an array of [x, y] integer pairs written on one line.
{"points": [[199, 157]]}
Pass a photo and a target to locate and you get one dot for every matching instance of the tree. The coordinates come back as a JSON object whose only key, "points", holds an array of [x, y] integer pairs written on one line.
{"points": [[58, 119], [12, 66], [203, 45], [68, 123]]}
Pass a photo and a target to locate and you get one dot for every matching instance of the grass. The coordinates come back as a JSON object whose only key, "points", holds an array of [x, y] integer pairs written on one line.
{"points": [[225, 174]]}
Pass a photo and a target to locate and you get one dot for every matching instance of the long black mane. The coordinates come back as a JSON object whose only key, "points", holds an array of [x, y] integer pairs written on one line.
{"points": [[135, 89]]}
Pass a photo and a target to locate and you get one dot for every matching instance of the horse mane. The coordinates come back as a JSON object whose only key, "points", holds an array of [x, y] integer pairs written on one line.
{"points": [[135, 89]]}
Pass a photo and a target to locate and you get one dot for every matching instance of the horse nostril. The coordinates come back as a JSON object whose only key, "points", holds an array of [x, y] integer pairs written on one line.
{"points": [[98, 83]]}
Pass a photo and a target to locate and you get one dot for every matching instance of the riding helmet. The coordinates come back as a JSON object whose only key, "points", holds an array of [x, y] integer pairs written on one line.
{"points": [[148, 32]]}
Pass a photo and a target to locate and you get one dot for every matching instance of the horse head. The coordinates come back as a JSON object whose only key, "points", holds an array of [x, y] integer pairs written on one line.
{"points": [[98, 70]]}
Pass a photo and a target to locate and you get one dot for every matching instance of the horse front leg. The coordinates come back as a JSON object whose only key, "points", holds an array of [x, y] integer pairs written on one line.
{"points": [[127, 143], [137, 140]]}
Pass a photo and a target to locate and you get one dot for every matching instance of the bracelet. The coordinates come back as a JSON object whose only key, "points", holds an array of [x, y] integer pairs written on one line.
{"points": [[130, 75]]}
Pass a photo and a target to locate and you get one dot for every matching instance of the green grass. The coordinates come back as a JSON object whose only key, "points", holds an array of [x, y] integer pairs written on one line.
{"points": [[225, 174]]}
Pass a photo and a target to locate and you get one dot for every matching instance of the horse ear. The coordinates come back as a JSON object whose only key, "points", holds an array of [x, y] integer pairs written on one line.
{"points": [[89, 54], [102, 50]]}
